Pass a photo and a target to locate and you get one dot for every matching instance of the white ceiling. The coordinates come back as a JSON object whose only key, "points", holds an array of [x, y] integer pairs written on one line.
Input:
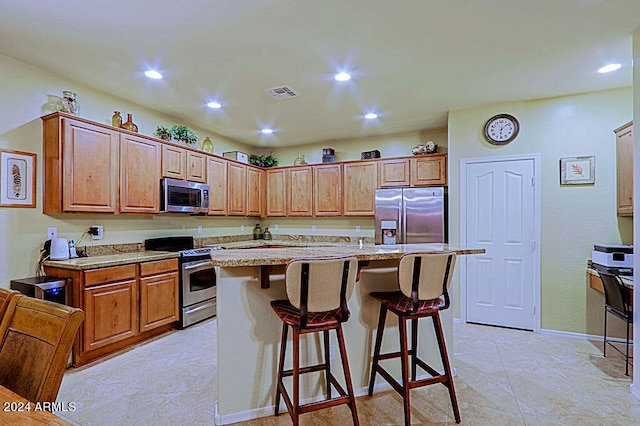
{"points": [[412, 60]]}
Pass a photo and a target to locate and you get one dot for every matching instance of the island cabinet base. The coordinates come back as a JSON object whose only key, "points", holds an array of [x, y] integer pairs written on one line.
{"points": [[249, 332]]}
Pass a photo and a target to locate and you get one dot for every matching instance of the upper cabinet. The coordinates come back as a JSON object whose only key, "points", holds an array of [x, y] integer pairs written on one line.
{"points": [[255, 191], [80, 166], [624, 169], [394, 173], [139, 175], [217, 180], [237, 189], [327, 190], [196, 167], [429, 170], [276, 192], [300, 191], [173, 162], [359, 185]]}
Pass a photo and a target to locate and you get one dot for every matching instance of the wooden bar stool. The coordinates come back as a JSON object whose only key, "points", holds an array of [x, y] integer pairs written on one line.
{"points": [[423, 280], [317, 292]]}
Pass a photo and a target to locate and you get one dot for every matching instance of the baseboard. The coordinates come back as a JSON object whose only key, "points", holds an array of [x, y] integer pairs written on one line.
{"points": [[581, 336], [255, 413], [635, 390]]}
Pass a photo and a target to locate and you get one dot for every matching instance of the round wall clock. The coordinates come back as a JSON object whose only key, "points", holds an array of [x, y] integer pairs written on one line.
{"points": [[501, 129]]}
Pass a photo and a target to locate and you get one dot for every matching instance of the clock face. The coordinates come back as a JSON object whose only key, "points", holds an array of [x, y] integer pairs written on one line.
{"points": [[501, 129]]}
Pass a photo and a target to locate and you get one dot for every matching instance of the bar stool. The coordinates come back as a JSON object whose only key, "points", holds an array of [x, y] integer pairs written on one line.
{"points": [[317, 292], [423, 280]]}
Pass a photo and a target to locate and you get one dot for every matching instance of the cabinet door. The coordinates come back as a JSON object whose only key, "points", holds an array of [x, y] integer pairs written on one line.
{"points": [[90, 168], [276, 192], [624, 169], [255, 192], [429, 170], [217, 180], [139, 175], [393, 173], [237, 189], [158, 300], [359, 184], [173, 162], [111, 313], [196, 167], [300, 191], [327, 190]]}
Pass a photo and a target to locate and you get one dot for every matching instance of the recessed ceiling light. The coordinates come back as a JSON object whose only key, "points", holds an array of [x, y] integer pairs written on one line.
{"points": [[342, 76], [371, 116], [153, 74], [214, 105], [266, 131], [609, 68]]}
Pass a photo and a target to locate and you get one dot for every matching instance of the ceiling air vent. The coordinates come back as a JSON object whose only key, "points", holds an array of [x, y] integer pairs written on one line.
{"points": [[281, 93]]}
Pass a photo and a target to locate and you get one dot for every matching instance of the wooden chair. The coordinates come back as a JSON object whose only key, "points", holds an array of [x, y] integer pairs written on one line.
{"points": [[5, 297], [317, 292], [618, 303], [423, 280], [36, 337]]}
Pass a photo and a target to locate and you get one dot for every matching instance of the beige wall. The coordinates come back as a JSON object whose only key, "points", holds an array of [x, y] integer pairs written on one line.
{"points": [[573, 217]]}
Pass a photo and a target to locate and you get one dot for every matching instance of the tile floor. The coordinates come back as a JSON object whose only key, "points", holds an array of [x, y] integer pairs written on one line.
{"points": [[504, 377]]}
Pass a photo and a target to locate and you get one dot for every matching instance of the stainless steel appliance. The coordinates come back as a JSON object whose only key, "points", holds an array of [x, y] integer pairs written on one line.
{"points": [[46, 288], [410, 215], [197, 278], [184, 197]]}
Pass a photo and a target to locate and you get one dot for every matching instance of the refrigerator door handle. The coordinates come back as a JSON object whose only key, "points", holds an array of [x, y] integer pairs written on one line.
{"points": [[403, 220]]}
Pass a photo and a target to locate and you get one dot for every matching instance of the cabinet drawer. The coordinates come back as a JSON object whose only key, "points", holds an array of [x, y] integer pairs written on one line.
{"points": [[158, 267], [106, 275]]}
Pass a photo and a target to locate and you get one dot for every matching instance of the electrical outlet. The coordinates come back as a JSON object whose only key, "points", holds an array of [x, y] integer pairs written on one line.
{"points": [[52, 233], [313, 228], [357, 228], [199, 229], [241, 228], [332, 352], [275, 227], [99, 235]]}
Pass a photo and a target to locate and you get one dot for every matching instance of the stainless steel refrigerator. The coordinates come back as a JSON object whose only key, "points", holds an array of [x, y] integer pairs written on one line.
{"points": [[410, 215]]}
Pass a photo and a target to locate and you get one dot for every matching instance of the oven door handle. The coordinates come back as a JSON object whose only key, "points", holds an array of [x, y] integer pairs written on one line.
{"points": [[189, 266]]}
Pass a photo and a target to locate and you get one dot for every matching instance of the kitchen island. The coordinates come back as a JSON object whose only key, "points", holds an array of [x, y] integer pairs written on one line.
{"points": [[248, 332]]}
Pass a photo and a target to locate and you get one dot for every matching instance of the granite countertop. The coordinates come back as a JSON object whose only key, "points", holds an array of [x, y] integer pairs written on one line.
{"points": [[81, 263], [280, 256], [279, 243]]}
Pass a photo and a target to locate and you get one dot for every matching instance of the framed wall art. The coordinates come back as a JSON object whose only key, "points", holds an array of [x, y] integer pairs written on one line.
{"points": [[17, 179], [578, 170]]}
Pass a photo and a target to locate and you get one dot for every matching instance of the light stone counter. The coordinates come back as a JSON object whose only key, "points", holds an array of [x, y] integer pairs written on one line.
{"points": [[248, 331], [92, 262]]}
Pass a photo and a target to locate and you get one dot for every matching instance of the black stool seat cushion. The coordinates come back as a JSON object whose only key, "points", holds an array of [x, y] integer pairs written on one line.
{"points": [[398, 303], [291, 316]]}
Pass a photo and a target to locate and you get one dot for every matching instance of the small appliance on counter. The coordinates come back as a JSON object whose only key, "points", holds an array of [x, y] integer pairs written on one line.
{"points": [[60, 249], [615, 259], [45, 288]]}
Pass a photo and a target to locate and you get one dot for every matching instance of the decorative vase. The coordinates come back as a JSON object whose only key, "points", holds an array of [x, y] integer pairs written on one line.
{"points": [[257, 232], [267, 234], [116, 120], [299, 160], [69, 103], [207, 145], [129, 124]]}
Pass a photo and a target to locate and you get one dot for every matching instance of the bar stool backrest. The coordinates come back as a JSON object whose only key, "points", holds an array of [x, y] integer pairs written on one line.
{"points": [[6, 296], [426, 276], [329, 282]]}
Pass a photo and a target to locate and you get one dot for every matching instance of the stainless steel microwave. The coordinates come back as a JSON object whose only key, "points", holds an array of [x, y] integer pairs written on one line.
{"points": [[184, 197]]}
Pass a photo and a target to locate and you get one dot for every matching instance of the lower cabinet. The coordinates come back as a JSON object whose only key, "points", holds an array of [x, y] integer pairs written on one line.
{"points": [[123, 305]]}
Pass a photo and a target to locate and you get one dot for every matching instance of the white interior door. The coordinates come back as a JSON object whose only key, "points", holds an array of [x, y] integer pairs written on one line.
{"points": [[501, 218]]}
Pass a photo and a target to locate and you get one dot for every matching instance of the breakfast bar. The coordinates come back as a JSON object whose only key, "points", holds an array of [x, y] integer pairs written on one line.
{"points": [[248, 332]]}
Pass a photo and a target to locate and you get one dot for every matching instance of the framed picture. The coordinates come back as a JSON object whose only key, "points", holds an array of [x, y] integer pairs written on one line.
{"points": [[578, 170], [17, 179]]}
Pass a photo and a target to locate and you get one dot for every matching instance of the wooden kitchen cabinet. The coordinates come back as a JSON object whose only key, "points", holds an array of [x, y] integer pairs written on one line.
{"points": [[255, 191], [159, 294], [429, 170], [276, 192], [394, 173], [300, 191], [236, 189], [327, 190], [173, 162], [196, 167], [139, 175], [624, 169], [217, 180], [110, 305], [359, 184], [80, 166]]}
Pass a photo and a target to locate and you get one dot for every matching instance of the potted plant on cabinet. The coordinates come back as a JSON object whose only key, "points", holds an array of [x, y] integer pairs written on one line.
{"points": [[263, 160], [163, 133], [184, 134]]}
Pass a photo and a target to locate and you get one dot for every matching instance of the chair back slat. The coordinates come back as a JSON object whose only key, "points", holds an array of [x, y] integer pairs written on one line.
{"points": [[5, 298]]}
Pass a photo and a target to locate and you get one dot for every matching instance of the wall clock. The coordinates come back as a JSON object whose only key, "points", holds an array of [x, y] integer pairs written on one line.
{"points": [[501, 129]]}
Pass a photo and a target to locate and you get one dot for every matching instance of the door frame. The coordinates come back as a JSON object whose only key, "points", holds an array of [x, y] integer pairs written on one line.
{"points": [[464, 162]]}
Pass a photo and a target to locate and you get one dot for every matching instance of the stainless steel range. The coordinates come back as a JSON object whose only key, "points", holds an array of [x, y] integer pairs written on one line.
{"points": [[197, 278]]}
